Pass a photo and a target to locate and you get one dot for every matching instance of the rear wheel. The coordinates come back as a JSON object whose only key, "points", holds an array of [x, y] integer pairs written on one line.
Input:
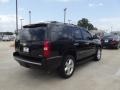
{"points": [[67, 67], [98, 54]]}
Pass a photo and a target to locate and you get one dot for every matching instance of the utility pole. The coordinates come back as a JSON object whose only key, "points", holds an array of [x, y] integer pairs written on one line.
{"points": [[29, 17], [21, 23], [65, 14], [111, 29], [69, 21], [17, 16]]}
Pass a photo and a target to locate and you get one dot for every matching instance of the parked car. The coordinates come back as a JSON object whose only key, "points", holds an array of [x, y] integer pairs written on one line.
{"points": [[6, 38], [12, 37], [111, 41], [54, 46]]}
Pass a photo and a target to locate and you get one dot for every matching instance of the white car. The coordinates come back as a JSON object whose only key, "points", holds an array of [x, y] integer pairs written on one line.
{"points": [[6, 38]]}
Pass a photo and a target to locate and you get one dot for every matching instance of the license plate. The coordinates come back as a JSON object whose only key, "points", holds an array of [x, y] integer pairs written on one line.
{"points": [[25, 49], [106, 41]]}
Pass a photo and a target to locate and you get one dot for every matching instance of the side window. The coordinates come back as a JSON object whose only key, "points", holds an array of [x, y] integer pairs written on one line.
{"points": [[66, 33], [77, 34], [86, 35], [61, 33], [55, 32]]}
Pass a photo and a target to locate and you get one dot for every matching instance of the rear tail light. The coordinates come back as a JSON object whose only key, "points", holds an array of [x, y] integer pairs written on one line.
{"points": [[114, 42], [47, 49]]}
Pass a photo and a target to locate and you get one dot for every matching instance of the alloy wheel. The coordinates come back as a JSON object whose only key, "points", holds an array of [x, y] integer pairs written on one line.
{"points": [[69, 67]]}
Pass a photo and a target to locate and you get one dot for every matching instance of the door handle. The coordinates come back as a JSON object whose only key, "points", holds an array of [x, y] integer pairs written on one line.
{"points": [[76, 44], [87, 43]]}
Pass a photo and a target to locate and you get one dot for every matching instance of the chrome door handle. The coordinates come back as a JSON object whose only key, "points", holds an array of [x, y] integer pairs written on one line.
{"points": [[76, 44], [87, 43]]}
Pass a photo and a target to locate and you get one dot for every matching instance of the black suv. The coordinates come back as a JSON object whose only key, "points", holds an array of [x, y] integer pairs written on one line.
{"points": [[56, 46]]}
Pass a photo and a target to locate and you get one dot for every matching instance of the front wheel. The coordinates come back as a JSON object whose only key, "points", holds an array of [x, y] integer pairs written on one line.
{"points": [[67, 67], [98, 54]]}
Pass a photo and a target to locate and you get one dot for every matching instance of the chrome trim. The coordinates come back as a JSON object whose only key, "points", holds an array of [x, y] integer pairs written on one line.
{"points": [[18, 59], [54, 57], [40, 56]]}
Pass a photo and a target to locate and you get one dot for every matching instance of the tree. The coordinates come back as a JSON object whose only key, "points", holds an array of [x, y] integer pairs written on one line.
{"points": [[8, 33], [83, 23], [86, 24]]}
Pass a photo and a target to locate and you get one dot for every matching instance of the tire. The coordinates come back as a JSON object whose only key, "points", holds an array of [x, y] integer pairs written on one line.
{"points": [[67, 67], [98, 54]]}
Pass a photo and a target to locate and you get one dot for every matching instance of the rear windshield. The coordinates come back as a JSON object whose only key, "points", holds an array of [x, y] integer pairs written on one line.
{"points": [[111, 37], [32, 34], [106, 37]]}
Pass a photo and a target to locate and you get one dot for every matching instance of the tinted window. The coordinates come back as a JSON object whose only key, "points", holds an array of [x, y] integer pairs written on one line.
{"points": [[66, 33], [55, 32], [116, 37], [32, 34], [106, 37], [61, 33], [77, 34], [86, 35]]}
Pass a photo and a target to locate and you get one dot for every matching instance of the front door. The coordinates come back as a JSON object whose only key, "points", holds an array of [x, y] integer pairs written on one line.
{"points": [[88, 43], [79, 43]]}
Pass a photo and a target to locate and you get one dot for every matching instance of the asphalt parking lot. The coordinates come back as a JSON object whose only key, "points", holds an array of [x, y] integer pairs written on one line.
{"points": [[103, 75]]}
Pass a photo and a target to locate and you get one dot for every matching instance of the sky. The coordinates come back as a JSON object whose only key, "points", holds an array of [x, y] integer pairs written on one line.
{"points": [[103, 14]]}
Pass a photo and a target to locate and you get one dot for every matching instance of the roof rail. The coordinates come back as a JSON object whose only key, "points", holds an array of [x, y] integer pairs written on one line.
{"points": [[35, 25]]}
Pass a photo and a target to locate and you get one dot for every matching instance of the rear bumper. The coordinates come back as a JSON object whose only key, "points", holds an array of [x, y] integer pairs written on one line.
{"points": [[38, 63]]}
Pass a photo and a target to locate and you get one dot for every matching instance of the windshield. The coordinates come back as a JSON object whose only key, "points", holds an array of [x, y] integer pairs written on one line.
{"points": [[32, 34]]}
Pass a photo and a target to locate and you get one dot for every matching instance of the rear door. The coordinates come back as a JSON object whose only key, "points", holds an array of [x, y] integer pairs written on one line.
{"points": [[61, 37], [31, 41]]}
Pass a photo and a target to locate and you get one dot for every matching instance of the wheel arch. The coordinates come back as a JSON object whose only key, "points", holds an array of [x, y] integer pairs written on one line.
{"points": [[70, 52]]}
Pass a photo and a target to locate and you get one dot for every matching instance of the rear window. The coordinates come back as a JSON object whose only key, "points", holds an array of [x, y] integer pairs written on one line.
{"points": [[110, 36], [32, 34]]}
